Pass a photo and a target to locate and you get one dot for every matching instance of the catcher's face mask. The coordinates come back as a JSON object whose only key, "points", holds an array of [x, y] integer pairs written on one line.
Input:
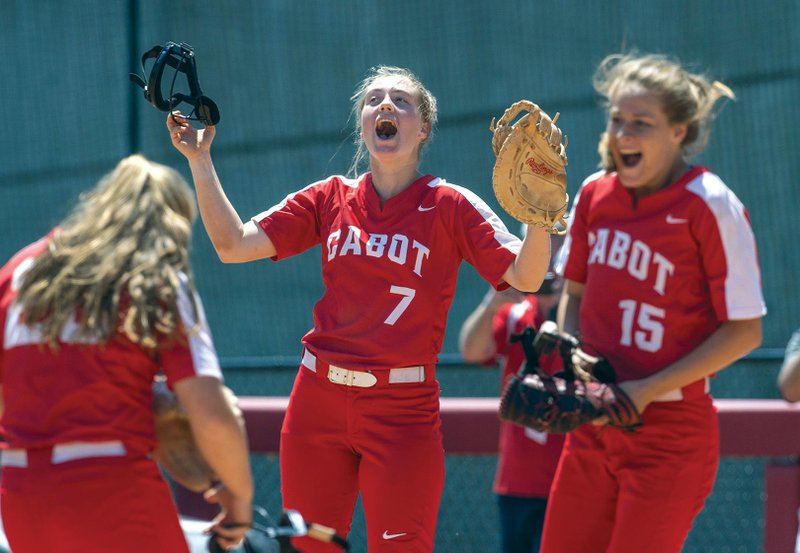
{"points": [[180, 57]]}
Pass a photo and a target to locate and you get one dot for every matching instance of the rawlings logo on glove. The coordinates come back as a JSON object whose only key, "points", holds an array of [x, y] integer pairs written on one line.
{"points": [[538, 168]]}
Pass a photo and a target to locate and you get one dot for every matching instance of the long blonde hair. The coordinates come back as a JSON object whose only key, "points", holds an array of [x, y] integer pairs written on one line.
{"points": [[124, 246], [685, 97], [426, 103]]}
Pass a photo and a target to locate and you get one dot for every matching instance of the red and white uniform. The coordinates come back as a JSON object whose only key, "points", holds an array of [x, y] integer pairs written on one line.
{"points": [[661, 274], [389, 273], [79, 428], [527, 458], [390, 276]]}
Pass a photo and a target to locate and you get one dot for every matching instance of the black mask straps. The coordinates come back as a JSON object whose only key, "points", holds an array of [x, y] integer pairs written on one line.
{"points": [[181, 58]]}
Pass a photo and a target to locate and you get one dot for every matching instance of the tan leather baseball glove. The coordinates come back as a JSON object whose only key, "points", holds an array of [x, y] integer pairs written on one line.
{"points": [[529, 178], [176, 449]]}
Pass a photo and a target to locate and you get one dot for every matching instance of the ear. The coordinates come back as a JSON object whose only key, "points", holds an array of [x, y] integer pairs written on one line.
{"points": [[424, 132], [679, 132]]}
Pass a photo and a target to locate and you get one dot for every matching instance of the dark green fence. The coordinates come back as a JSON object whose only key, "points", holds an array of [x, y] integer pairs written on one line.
{"points": [[282, 73]]}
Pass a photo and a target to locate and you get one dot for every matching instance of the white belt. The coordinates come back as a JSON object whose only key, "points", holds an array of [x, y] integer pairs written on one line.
{"points": [[346, 377], [61, 453], [677, 394], [364, 379]]}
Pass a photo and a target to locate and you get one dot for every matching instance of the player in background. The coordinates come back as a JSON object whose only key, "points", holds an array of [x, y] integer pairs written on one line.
{"points": [[662, 279], [527, 459], [91, 313], [363, 415]]}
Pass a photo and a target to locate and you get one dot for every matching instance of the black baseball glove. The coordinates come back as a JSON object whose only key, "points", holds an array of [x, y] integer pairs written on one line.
{"points": [[570, 399]]}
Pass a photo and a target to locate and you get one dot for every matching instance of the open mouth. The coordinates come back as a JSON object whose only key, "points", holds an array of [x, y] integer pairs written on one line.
{"points": [[630, 160], [385, 129]]}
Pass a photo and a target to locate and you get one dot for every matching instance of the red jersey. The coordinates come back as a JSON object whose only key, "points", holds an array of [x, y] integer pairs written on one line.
{"points": [[389, 272], [87, 391], [661, 273], [527, 459]]}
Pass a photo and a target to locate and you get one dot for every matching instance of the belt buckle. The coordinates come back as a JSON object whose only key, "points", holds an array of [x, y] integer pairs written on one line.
{"points": [[348, 377], [336, 375]]}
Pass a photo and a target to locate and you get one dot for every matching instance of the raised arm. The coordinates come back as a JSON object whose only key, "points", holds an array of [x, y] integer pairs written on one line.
{"points": [[528, 270], [233, 240]]}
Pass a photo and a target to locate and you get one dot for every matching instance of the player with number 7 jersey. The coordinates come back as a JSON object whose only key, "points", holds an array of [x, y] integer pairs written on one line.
{"points": [[367, 381], [363, 415]]}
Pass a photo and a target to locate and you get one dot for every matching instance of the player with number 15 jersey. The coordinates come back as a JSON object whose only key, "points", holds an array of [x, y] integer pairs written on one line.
{"points": [[659, 289], [661, 279]]}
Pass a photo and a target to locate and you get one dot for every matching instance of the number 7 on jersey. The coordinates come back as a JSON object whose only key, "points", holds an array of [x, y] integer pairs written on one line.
{"points": [[408, 295]]}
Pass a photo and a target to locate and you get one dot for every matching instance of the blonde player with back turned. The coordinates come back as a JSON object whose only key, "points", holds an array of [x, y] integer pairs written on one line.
{"points": [[91, 313]]}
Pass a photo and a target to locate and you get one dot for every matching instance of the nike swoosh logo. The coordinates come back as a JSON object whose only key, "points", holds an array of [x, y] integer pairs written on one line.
{"points": [[426, 208], [388, 536], [675, 221]]}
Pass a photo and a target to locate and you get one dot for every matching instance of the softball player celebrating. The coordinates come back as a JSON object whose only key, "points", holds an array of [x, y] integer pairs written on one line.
{"points": [[363, 414], [90, 314], [662, 279]]}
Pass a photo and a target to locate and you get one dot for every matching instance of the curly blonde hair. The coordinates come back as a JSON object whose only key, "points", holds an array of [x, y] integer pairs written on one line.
{"points": [[123, 247], [426, 104], [685, 97]]}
